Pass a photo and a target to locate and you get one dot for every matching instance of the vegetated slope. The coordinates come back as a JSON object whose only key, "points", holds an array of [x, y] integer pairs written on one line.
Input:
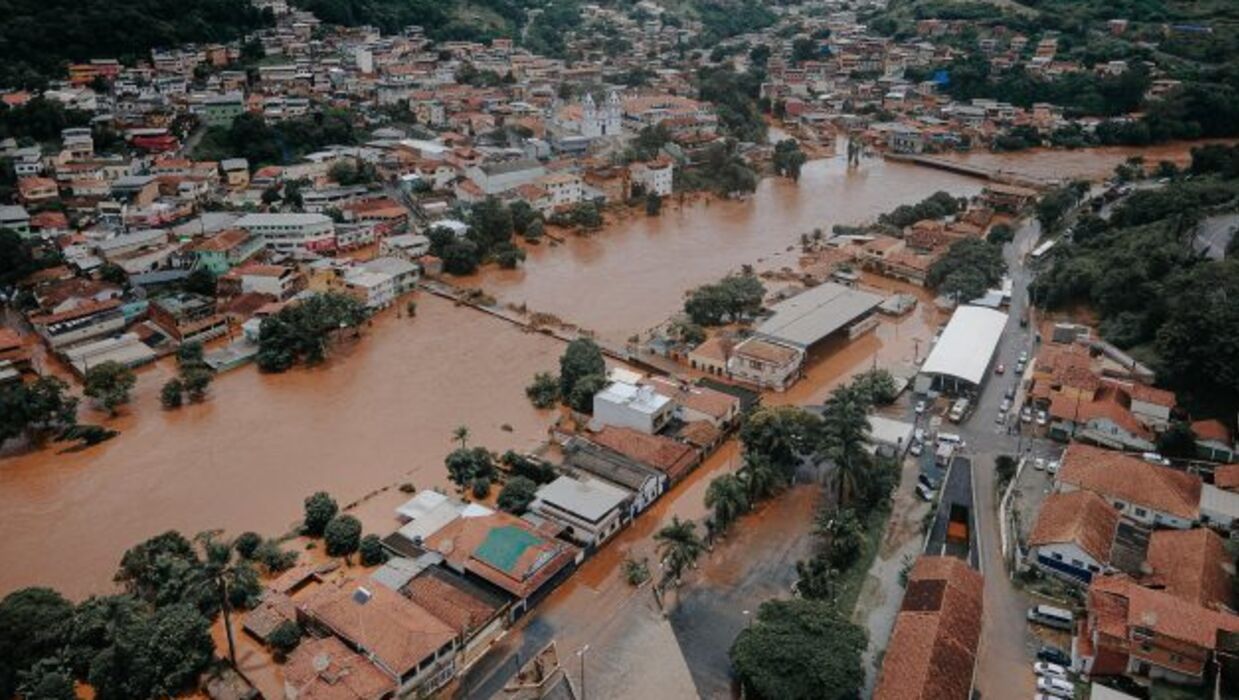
{"points": [[38, 37]]}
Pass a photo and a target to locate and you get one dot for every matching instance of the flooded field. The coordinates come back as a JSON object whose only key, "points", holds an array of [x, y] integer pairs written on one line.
{"points": [[246, 457], [633, 274]]}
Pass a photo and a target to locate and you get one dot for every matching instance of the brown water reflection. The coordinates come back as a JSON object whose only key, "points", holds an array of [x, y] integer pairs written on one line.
{"points": [[633, 275], [246, 458]]}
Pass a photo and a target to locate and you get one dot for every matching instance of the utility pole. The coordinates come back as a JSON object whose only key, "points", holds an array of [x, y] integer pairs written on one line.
{"points": [[581, 655]]}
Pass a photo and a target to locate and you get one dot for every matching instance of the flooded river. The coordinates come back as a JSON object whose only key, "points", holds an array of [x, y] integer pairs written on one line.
{"points": [[633, 275], [1084, 163], [247, 457], [382, 412]]}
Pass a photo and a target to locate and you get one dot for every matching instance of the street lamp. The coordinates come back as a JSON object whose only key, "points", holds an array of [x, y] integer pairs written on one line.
{"points": [[581, 655]]}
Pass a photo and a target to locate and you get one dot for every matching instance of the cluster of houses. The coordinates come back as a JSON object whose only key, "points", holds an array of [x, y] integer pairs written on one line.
{"points": [[1143, 540], [460, 574]]}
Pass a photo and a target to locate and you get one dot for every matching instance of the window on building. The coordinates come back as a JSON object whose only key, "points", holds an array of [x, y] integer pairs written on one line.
{"points": [[1141, 512]]}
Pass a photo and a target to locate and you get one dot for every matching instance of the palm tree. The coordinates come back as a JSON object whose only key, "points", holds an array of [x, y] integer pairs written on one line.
{"points": [[679, 546], [759, 477], [727, 496], [845, 432], [219, 572], [461, 435]]}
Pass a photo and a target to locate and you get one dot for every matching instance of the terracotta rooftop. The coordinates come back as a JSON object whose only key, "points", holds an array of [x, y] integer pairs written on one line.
{"points": [[664, 454], [1107, 405], [1192, 565], [701, 399], [224, 240], [1078, 517], [505, 550], [1153, 395], [459, 607], [1227, 477], [933, 648], [1116, 475], [344, 674], [717, 348], [1212, 429], [399, 633], [1165, 614]]}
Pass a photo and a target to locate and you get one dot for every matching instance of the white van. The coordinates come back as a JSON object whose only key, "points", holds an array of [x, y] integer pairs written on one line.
{"points": [[950, 439], [1051, 616], [958, 409]]}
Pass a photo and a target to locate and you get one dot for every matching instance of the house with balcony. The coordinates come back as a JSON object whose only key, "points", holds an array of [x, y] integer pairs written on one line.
{"points": [[591, 510], [188, 317], [1150, 634]]}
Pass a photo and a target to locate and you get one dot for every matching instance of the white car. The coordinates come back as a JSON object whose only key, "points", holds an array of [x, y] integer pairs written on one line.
{"points": [[1052, 466], [1026, 414], [1042, 418], [919, 435], [1023, 357], [1050, 670], [1000, 417], [1056, 687], [1039, 464], [1155, 458], [915, 449], [920, 407], [1005, 405]]}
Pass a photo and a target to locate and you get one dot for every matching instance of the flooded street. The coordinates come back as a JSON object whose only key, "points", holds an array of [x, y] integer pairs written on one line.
{"points": [[381, 413], [633, 274], [245, 459]]}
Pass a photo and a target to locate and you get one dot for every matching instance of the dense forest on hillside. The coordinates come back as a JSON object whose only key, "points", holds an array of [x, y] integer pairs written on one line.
{"points": [[1155, 295], [38, 37]]}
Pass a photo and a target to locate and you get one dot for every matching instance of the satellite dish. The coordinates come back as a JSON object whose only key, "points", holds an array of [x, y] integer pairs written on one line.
{"points": [[321, 662]]}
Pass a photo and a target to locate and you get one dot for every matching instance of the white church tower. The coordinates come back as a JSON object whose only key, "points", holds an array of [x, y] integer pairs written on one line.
{"points": [[607, 121]]}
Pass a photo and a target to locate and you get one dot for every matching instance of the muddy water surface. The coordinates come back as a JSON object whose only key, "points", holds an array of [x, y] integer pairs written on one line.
{"points": [[244, 459], [633, 274], [1084, 163]]}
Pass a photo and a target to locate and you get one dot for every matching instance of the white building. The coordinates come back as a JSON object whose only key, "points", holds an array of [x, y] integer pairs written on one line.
{"points": [[292, 233], [606, 120], [591, 509], [960, 360], [657, 177], [1073, 536], [626, 405], [565, 189], [375, 290]]}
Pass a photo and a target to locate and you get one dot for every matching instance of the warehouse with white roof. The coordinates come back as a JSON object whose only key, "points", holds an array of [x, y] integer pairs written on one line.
{"points": [[960, 360]]}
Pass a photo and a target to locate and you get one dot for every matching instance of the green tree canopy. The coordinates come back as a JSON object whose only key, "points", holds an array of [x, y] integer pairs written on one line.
{"points": [[320, 508], [800, 649]]}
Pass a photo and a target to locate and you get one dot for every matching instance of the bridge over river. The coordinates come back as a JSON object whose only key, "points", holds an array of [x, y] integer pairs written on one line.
{"points": [[1005, 177]]}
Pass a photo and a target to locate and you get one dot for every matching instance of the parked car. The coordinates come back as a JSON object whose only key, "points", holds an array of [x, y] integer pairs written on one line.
{"points": [[1056, 687], [927, 481], [1000, 417], [1155, 458], [1049, 670], [1042, 418], [1039, 464], [918, 435], [1005, 405], [916, 448], [1053, 655], [1026, 414], [924, 493], [1000, 368], [1052, 466], [920, 407], [1009, 393], [1023, 357]]}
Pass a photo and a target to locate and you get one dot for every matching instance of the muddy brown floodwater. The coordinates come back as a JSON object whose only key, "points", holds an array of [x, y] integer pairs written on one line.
{"points": [[634, 273], [381, 415], [1084, 163], [382, 412]]}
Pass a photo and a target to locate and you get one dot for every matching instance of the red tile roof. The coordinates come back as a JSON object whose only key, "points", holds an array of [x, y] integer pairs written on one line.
{"points": [[1212, 429], [1119, 476], [1226, 477], [345, 675], [1078, 517], [933, 648], [672, 458], [398, 632], [1193, 565], [1163, 613]]}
